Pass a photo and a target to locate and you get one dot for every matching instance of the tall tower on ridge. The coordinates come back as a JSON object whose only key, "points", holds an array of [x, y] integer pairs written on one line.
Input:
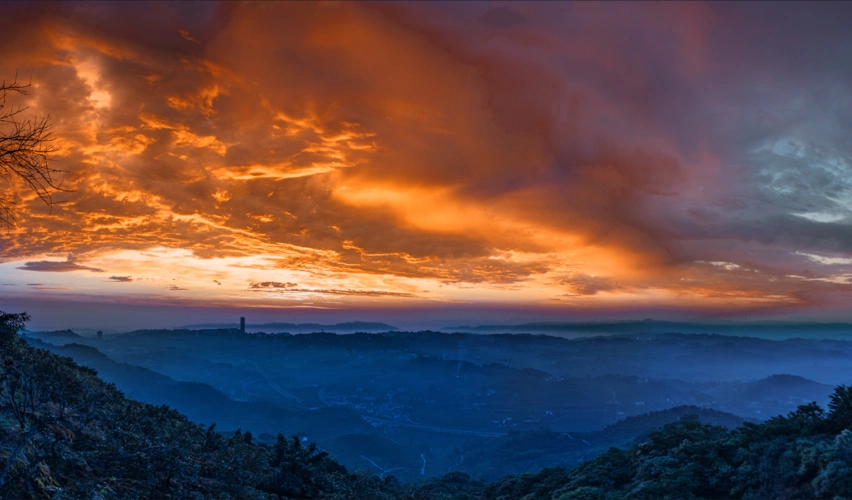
{"points": [[243, 324]]}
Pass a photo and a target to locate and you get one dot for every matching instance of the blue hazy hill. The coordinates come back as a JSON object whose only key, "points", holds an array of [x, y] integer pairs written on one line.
{"points": [[351, 326], [768, 329]]}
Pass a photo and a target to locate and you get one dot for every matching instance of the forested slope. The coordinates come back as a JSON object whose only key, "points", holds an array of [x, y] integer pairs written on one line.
{"points": [[65, 433], [806, 454]]}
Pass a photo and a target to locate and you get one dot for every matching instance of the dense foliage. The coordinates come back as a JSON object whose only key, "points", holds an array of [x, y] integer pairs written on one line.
{"points": [[806, 454], [66, 433]]}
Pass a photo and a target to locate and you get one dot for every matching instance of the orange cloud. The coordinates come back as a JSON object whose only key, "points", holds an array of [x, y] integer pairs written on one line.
{"points": [[389, 152]]}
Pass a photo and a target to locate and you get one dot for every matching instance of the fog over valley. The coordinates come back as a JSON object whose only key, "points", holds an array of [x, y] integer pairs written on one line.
{"points": [[488, 404]]}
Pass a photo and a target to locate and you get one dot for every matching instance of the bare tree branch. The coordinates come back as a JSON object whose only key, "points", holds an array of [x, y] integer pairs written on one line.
{"points": [[24, 148]]}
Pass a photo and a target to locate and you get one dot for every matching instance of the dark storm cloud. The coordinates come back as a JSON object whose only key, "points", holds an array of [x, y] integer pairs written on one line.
{"points": [[335, 291], [589, 285], [43, 286], [502, 17], [272, 284], [49, 266]]}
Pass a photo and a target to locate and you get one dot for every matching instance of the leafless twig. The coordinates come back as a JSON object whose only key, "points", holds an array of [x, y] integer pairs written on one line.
{"points": [[24, 148]]}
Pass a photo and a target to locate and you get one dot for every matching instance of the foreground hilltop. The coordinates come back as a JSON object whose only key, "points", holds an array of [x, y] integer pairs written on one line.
{"points": [[66, 433]]}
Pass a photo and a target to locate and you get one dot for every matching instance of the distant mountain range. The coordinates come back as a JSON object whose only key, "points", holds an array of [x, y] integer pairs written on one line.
{"points": [[352, 326], [748, 329]]}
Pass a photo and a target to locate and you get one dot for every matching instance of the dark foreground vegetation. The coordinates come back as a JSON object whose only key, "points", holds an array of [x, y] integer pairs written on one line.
{"points": [[64, 433]]}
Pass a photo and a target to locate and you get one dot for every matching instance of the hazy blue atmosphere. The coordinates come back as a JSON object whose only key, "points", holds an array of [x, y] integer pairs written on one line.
{"points": [[399, 250], [485, 400]]}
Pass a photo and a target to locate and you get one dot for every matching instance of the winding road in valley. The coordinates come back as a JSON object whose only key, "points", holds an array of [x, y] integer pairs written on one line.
{"points": [[447, 430]]}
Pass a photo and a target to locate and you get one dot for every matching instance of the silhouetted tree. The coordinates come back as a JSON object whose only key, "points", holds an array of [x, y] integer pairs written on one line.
{"points": [[11, 324], [840, 409], [24, 148]]}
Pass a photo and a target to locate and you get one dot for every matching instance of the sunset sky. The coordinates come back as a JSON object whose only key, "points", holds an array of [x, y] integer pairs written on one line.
{"points": [[420, 163]]}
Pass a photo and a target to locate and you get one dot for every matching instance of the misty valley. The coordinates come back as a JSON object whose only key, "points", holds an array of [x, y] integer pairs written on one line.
{"points": [[416, 405], [463, 211]]}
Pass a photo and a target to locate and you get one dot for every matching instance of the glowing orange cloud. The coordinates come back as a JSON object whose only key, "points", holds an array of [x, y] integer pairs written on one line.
{"points": [[391, 154]]}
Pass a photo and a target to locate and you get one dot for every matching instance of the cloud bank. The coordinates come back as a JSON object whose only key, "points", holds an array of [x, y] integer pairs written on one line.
{"points": [[572, 154]]}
